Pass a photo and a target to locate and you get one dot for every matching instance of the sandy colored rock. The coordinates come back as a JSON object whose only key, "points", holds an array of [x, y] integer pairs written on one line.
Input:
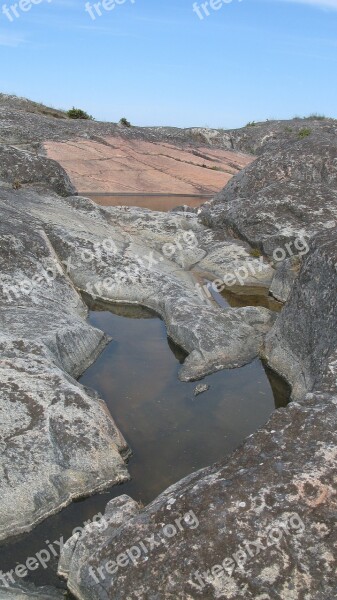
{"points": [[114, 164]]}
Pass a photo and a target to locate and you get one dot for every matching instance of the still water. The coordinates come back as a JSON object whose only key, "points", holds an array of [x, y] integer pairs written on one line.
{"points": [[170, 431], [159, 202]]}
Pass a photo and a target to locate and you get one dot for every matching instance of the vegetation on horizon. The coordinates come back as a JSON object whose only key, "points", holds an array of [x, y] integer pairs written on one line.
{"points": [[125, 122], [317, 117], [78, 113]]}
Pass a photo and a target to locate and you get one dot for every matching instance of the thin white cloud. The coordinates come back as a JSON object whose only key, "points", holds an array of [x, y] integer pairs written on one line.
{"points": [[11, 40], [326, 4]]}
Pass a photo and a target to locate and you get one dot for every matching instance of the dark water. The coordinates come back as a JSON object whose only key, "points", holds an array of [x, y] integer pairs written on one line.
{"points": [[243, 296], [170, 431], [159, 202]]}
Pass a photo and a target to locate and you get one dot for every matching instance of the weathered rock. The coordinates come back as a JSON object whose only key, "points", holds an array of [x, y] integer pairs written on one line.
{"points": [[48, 246], [281, 197], [282, 479], [21, 167], [303, 342], [123, 262], [201, 389], [115, 164], [102, 156], [284, 278], [79, 548], [58, 441], [266, 519]]}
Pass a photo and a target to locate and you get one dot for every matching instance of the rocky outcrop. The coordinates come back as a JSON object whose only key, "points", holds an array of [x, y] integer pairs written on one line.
{"points": [[64, 442], [284, 203], [58, 441], [122, 256], [115, 164], [282, 196], [262, 526], [106, 157], [20, 168], [266, 137], [263, 522], [303, 342]]}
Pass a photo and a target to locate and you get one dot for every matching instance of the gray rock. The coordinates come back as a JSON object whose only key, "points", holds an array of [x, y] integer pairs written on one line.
{"points": [[52, 247], [65, 444], [302, 344], [201, 389], [284, 278], [267, 517], [20, 168], [281, 197], [58, 441], [135, 270]]}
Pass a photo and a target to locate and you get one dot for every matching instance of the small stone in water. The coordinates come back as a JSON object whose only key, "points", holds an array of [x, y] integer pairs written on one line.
{"points": [[201, 388]]}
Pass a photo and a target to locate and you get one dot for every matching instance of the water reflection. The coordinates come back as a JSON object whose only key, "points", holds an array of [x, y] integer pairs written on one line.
{"points": [[159, 202], [170, 431]]}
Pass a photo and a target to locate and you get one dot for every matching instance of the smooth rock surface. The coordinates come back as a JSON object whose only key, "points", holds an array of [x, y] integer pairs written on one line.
{"points": [[51, 248], [119, 255], [267, 516], [58, 441], [114, 164]]}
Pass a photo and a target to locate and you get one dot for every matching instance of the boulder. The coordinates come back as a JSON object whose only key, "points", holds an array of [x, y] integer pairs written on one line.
{"points": [[20, 168], [260, 526], [58, 440], [302, 344]]}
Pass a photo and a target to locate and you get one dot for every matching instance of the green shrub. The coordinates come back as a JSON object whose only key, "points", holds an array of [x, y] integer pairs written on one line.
{"points": [[125, 122], [78, 113], [288, 129], [303, 133], [251, 124], [316, 117]]}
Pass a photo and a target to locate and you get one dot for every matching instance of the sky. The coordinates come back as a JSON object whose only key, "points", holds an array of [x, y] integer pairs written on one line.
{"points": [[171, 62]]}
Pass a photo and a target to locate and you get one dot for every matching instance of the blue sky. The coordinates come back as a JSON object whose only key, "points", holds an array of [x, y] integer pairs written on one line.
{"points": [[157, 63]]}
